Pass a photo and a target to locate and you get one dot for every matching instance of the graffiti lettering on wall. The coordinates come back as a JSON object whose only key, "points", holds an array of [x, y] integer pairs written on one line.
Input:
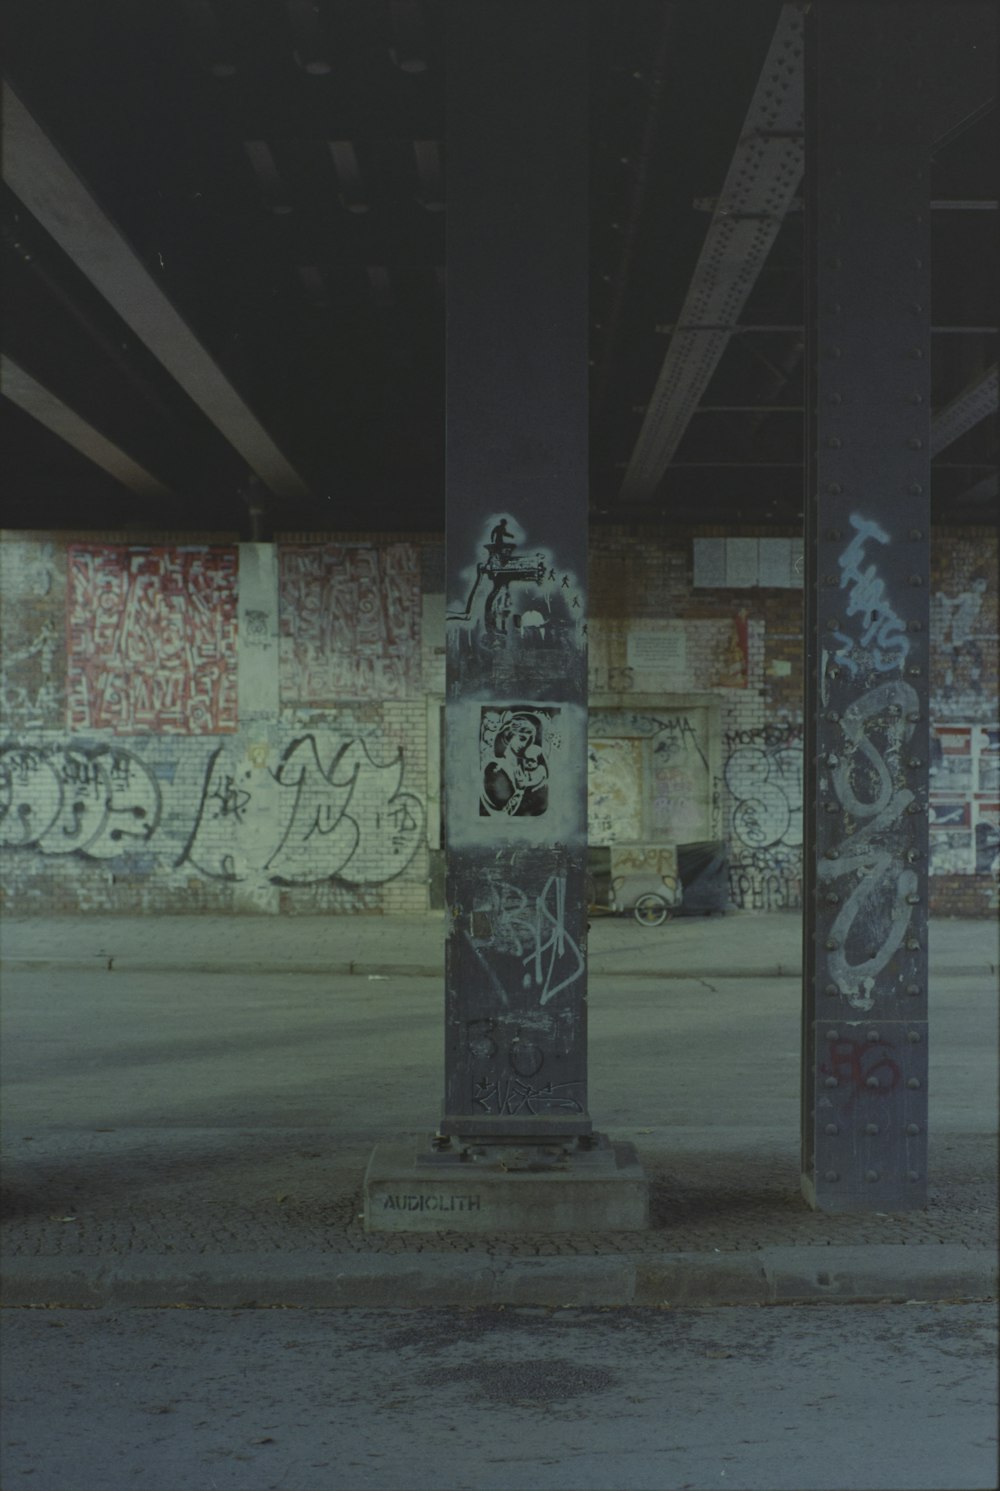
{"points": [[349, 622], [606, 680], [97, 801], [322, 812], [517, 934], [307, 820], [770, 736], [765, 879], [680, 806], [765, 783], [649, 776], [152, 639]]}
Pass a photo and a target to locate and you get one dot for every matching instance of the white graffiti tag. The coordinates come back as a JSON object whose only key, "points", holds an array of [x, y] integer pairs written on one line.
{"points": [[866, 781], [883, 643], [531, 928]]}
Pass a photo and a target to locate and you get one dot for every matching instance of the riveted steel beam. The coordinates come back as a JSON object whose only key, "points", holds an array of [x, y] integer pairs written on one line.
{"points": [[516, 630], [761, 182], [52, 412], [47, 184], [867, 582], [976, 402]]}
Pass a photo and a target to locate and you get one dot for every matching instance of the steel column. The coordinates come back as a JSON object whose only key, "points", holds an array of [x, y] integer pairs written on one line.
{"points": [[867, 552], [516, 708]]}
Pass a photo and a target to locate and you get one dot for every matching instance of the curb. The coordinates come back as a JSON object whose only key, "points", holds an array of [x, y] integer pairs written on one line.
{"points": [[102, 963], [771, 1276]]}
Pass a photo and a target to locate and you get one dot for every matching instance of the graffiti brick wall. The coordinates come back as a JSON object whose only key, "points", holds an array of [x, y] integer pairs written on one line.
{"points": [[219, 727], [738, 644], [204, 725], [720, 611], [965, 737]]}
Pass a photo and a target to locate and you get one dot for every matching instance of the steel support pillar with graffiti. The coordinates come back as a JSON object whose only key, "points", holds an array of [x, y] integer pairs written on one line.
{"points": [[867, 556], [515, 1143]]}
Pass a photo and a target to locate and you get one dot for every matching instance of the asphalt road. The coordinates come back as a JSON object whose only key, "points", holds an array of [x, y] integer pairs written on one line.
{"points": [[896, 1398], [198, 1050]]}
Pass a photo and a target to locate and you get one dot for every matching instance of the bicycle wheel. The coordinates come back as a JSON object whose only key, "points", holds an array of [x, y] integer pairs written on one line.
{"points": [[650, 910]]}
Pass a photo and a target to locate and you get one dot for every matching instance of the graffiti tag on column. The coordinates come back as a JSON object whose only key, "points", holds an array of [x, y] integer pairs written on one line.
{"points": [[883, 643], [510, 922], [861, 1065], [511, 1095], [868, 785], [97, 801]]}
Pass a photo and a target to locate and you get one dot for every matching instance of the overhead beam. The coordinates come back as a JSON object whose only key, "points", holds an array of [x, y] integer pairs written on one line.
{"points": [[976, 402], [762, 180], [49, 410], [794, 328], [982, 491], [938, 204], [49, 187]]}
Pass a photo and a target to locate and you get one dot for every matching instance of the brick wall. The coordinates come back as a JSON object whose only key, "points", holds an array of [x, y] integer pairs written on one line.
{"points": [[195, 724], [965, 759], [213, 726]]}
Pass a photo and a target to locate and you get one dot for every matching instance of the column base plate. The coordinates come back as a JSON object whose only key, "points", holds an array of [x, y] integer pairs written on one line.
{"points": [[500, 1188]]}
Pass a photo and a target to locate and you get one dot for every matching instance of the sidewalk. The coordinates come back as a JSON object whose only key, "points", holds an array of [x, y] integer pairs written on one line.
{"points": [[175, 1134]]}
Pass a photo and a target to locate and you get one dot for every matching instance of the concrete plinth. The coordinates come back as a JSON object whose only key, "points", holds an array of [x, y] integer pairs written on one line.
{"points": [[411, 1187]]}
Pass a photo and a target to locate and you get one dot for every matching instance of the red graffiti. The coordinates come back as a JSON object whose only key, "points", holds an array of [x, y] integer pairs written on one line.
{"points": [[861, 1064], [152, 639]]}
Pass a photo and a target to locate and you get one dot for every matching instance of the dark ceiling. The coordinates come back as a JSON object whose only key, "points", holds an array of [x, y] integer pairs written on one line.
{"points": [[225, 268]]}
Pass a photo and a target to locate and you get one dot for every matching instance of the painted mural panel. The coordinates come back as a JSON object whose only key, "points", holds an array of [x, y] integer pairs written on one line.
{"points": [[32, 620], [649, 775], [349, 622], [152, 639], [614, 790]]}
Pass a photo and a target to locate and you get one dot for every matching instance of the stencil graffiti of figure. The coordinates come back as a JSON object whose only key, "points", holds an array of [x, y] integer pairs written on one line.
{"points": [[502, 544], [515, 784]]}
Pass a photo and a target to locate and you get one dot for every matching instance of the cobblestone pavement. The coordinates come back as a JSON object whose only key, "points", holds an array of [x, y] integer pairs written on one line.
{"points": [[166, 1118], [197, 1192]]}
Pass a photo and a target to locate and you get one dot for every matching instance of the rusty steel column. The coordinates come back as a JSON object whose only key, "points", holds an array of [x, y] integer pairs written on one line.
{"points": [[867, 613], [516, 709]]}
